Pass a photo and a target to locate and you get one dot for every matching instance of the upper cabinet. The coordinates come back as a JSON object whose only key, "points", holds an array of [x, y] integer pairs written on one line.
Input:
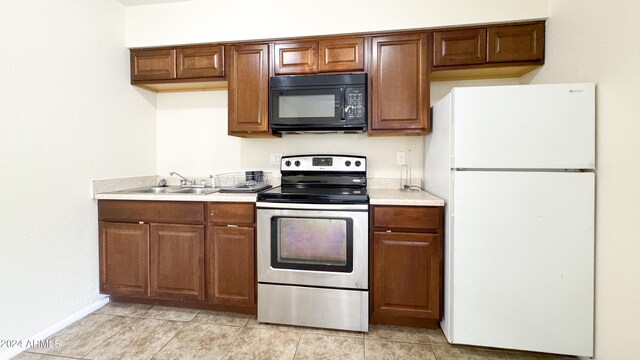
{"points": [[487, 52], [324, 55], [400, 66], [460, 47], [153, 65], [177, 69], [248, 90], [515, 43], [342, 54], [399, 89], [200, 62], [295, 58]]}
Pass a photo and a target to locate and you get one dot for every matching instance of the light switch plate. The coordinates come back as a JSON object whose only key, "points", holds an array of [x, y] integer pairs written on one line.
{"points": [[275, 158]]}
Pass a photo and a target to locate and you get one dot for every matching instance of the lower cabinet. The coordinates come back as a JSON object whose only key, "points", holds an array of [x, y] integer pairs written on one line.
{"points": [[157, 260], [124, 259], [231, 265], [191, 254], [177, 261], [231, 270], [406, 265]]}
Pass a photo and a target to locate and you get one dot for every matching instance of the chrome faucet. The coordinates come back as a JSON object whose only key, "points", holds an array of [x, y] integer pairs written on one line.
{"points": [[184, 181]]}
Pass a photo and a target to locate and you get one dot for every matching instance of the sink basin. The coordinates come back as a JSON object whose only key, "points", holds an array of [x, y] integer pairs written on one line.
{"points": [[197, 191], [169, 190]]}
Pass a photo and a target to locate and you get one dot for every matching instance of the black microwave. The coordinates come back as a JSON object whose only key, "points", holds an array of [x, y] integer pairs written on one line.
{"points": [[318, 103]]}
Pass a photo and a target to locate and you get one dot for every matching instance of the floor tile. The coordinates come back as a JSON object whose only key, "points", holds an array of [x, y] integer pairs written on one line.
{"points": [[389, 350], [221, 318], [199, 341], [398, 333], [171, 313], [332, 332], [32, 356], [84, 335], [141, 339], [323, 347], [253, 323], [264, 344], [436, 336], [525, 355], [123, 309], [459, 352]]}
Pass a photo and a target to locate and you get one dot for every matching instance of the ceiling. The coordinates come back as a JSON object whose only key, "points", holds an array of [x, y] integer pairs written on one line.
{"points": [[146, 2]]}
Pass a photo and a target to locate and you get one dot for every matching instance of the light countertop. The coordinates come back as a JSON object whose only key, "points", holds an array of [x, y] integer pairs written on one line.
{"points": [[215, 197], [407, 198]]}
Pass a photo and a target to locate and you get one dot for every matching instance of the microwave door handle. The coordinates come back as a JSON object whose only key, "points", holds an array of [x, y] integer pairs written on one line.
{"points": [[343, 102]]}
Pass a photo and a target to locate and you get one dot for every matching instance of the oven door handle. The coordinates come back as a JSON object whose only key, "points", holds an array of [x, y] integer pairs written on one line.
{"points": [[285, 206]]}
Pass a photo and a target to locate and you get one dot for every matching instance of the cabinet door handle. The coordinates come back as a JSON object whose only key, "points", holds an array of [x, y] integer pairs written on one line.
{"points": [[233, 226]]}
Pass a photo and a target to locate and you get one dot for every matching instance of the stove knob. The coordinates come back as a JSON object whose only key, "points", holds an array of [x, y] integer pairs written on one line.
{"points": [[297, 163], [347, 163], [358, 163], [287, 163]]}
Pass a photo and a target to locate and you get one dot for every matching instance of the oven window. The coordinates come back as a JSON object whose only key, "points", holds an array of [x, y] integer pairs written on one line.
{"points": [[307, 106], [323, 244]]}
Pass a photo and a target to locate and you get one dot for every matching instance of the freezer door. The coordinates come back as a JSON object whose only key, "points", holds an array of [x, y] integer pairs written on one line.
{"points": [[524, 127], [523, 261]]}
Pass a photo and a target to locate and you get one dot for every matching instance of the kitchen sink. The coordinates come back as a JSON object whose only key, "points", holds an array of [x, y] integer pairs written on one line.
{"points": [[197, 191], [169, 190]]}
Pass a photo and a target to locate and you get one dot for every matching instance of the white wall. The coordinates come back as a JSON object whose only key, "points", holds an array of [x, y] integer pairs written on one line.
{"points": [[598, 41], [209, 21], [67, 116]]}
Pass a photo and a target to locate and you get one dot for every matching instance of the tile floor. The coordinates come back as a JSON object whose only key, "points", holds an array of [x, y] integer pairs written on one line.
{"points": [[132, 331]]}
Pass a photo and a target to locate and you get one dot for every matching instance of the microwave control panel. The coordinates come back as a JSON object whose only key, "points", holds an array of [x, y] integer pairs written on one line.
{"points": [[354, 106]]}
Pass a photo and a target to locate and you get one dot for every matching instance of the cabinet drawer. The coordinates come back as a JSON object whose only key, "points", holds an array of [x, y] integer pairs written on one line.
{"points": [[181, 212], [460, 47], [407, 217], [515, 43], [153, 64], [232, 213], [203, 61]]}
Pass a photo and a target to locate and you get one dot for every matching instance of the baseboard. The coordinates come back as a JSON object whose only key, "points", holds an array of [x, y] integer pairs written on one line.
{"points": [[55, 327]]}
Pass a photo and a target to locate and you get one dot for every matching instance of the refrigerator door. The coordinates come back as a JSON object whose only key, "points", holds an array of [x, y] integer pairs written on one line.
{"points": [[522, 252], [524, 127]]}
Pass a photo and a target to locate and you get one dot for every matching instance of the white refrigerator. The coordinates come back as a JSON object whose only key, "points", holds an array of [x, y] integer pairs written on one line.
{"points": [[515, 165]]}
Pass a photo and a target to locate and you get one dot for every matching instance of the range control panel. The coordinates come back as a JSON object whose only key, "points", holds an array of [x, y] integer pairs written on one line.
{"points": [[338, 163]]}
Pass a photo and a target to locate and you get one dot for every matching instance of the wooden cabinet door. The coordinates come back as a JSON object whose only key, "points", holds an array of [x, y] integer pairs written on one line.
{"points": [[515, 43], [399, 84], [199, 62], [177, 261], [342, 54], [231, 265], [248, 89], [124, 259], [460, 47], [153, 64], [406, 275], [295, 58]]}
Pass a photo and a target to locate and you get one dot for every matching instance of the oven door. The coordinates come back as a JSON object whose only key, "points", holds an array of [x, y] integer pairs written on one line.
{"points": [[324, 245]]}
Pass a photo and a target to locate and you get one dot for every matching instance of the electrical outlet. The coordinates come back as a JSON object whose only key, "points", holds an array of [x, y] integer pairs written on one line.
{"points": [[401, 158], [274, 158]]}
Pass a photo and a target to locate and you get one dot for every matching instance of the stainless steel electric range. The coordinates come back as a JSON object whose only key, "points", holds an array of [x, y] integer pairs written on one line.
{"points": [[313, 244]]}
